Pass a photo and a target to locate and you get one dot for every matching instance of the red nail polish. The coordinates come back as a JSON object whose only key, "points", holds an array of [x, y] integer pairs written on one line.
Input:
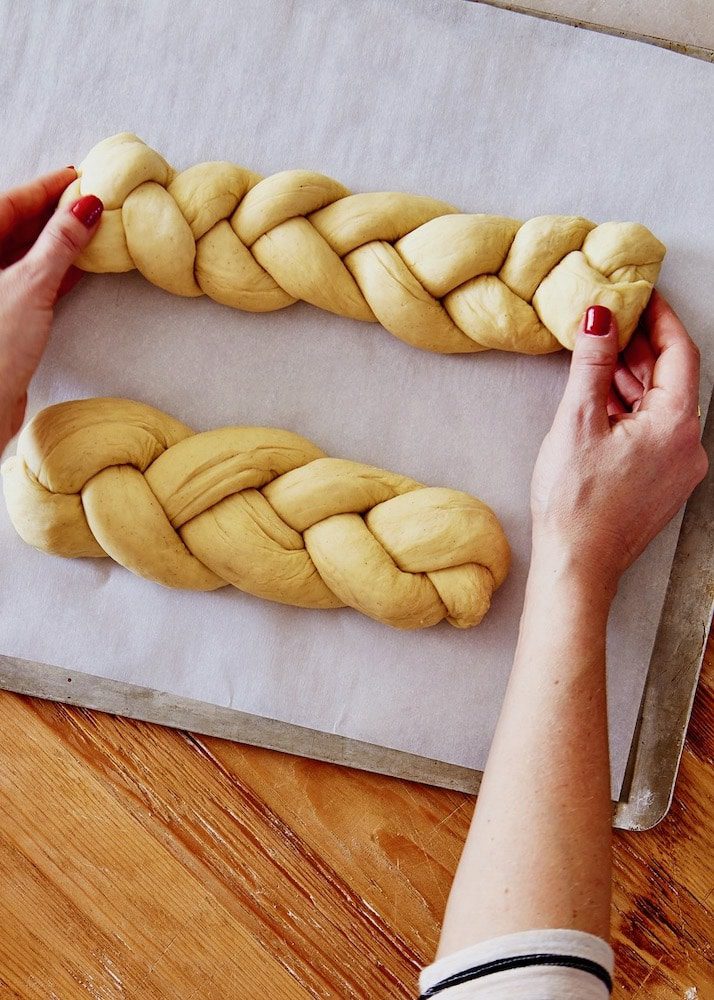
{"points": [[70, 166], [88, 210], [597, 320]]}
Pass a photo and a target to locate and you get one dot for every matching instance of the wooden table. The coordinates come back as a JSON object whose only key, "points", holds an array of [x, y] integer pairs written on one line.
{"points": [[143, 862]]}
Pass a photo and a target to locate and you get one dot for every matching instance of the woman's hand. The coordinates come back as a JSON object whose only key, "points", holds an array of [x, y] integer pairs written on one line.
{"points": [[624, 451], [37, 248]]}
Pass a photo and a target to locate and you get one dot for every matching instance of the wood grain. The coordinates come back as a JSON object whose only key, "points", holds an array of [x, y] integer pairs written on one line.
{"points": [[143, 862]]}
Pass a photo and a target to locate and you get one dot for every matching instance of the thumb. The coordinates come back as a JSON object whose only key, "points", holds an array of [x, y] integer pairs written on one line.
{"points": [[593, 363], [64, 237]]}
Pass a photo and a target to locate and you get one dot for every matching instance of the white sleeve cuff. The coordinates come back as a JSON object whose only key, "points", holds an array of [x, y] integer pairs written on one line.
{"points": [[537, 965]]}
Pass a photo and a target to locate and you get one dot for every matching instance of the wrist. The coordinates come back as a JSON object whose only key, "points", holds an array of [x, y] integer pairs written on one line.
{"points": [[556, 566]]}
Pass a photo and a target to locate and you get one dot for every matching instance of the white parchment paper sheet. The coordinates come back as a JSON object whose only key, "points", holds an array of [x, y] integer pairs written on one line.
{"points": [[492, 111]]}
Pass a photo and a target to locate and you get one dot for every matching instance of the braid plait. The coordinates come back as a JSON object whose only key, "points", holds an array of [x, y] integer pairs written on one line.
{"points": [[438, 279], [259, 508]]}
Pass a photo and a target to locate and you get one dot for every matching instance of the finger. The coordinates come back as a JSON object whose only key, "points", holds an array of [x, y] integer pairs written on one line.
{"points": [[23, 202], [18, 414], [64, 237], [16, 253], [16, 245], [676, 369], [615, 406], [592, 366], [23, 236], [629, 388], [70, 279], [640, 358]]}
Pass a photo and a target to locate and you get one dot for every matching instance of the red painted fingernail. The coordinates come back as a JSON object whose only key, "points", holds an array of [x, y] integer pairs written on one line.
{"points": [[597, 320], [70, 166], [88, 210]]}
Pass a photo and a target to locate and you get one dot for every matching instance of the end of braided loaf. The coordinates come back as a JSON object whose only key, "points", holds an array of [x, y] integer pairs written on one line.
{"points": [[435, 278], [258, 508]]}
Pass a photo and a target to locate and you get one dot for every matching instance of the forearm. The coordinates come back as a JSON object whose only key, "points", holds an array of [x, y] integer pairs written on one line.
{"points": [[538, 853]]}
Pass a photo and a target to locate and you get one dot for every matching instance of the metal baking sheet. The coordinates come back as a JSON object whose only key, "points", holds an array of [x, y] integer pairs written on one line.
{"points": [[686, 26]]}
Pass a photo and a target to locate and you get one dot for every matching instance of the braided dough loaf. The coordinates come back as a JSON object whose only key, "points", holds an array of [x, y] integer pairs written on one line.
{"points": [[435, 278], [259, 508]]}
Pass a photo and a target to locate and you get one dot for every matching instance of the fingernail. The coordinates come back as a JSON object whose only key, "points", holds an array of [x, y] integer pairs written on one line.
{"points": [[70, 166], [597, 320], [88, 210]]}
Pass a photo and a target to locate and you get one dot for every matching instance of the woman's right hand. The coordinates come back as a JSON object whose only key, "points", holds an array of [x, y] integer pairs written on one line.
{"points": [[624, 451]]}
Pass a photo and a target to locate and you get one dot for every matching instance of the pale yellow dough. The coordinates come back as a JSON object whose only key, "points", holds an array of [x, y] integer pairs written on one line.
{"points": [[437, 279], [258, 508]]}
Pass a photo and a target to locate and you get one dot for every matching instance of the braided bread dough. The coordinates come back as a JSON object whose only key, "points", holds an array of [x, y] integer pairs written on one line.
{"points": [[435, 278], [259, 508]]}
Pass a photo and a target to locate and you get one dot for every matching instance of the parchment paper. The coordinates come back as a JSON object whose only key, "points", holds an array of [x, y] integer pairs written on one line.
{"points": [[492, 111]]}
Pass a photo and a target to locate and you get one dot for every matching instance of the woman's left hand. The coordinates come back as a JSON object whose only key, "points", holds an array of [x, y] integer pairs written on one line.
{"points": [[38, 245]]}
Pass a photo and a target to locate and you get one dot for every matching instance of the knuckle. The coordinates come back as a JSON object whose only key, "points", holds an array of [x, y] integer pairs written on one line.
{"points": [[680, 418], [690, 432], [587, 359], [685, 449], [701, 464]]}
